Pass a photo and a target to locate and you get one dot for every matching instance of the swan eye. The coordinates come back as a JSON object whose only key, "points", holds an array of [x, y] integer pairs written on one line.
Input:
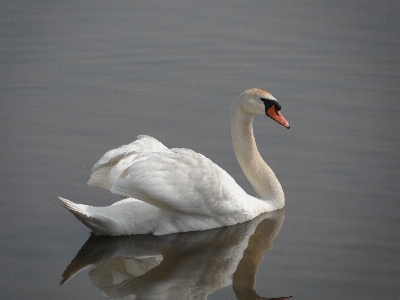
{"points": [[269, 103]]}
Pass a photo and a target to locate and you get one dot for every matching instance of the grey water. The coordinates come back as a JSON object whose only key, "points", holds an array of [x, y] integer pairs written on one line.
{"points": [[79, 78]]}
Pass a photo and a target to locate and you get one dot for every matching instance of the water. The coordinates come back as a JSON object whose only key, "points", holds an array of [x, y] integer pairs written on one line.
{"points": [[80, 78]]}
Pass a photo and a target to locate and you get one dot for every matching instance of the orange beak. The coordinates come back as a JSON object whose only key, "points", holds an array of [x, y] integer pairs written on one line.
{"points": [[277, 116]]}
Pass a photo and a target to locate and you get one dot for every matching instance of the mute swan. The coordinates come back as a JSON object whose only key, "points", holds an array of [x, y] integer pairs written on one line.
{"points": [[179, 190]]}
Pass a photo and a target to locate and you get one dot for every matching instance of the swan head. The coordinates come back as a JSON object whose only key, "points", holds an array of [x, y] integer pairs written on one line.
{"points": [[258, 101]]}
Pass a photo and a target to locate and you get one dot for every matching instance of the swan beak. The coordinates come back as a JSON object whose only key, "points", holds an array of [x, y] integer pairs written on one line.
{"points": [[277, 116]]}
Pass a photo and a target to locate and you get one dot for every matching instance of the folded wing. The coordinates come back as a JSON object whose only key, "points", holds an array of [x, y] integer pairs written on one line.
{"points": [[181, 181], [114, 163]]}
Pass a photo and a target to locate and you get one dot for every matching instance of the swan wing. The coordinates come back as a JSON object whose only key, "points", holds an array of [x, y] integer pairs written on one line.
{"points": [[182, 181], [114, 163]]}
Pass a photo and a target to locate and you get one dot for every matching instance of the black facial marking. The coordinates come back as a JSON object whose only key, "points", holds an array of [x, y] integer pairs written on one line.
{"points": [[268, 104]]}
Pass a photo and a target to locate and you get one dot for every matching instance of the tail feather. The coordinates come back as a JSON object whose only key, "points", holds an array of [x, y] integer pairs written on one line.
{"points": [[74, 208], [98, 223]]}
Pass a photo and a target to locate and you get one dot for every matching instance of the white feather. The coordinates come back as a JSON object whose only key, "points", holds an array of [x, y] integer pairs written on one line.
{"points": [[177, 190]]}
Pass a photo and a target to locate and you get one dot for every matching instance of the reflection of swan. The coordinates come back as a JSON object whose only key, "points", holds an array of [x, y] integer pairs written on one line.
{"points": [[177, 190], [178, 266]]}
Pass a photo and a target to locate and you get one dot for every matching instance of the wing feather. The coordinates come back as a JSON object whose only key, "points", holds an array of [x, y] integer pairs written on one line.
{"points": [[113, 164], [181, 181]]}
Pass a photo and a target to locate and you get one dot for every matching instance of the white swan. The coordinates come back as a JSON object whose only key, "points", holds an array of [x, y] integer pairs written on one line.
{"points": [[179, 190]]}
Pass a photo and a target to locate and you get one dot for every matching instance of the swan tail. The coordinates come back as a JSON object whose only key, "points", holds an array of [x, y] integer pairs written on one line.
{"points": [[76, 209], [98, 223]]}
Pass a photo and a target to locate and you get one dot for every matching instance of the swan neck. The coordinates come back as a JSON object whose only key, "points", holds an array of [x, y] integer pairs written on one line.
{"points": [[260, 175]]}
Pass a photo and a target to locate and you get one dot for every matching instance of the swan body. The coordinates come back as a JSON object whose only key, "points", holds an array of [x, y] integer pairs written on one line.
{"points": [[179, 190]]}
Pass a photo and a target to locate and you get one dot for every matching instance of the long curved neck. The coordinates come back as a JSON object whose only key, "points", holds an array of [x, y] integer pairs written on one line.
{"points": [[260, 175]]}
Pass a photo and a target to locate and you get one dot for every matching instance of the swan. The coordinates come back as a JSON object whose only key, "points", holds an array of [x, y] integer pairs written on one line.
{"points": [[179, 190]]}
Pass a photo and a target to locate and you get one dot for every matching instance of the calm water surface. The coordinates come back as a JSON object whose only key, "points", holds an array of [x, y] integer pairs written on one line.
{"points": [[80, 78]]}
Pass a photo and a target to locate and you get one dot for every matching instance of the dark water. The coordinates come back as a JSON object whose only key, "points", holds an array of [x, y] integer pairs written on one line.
{"points": [[80, 78]]}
